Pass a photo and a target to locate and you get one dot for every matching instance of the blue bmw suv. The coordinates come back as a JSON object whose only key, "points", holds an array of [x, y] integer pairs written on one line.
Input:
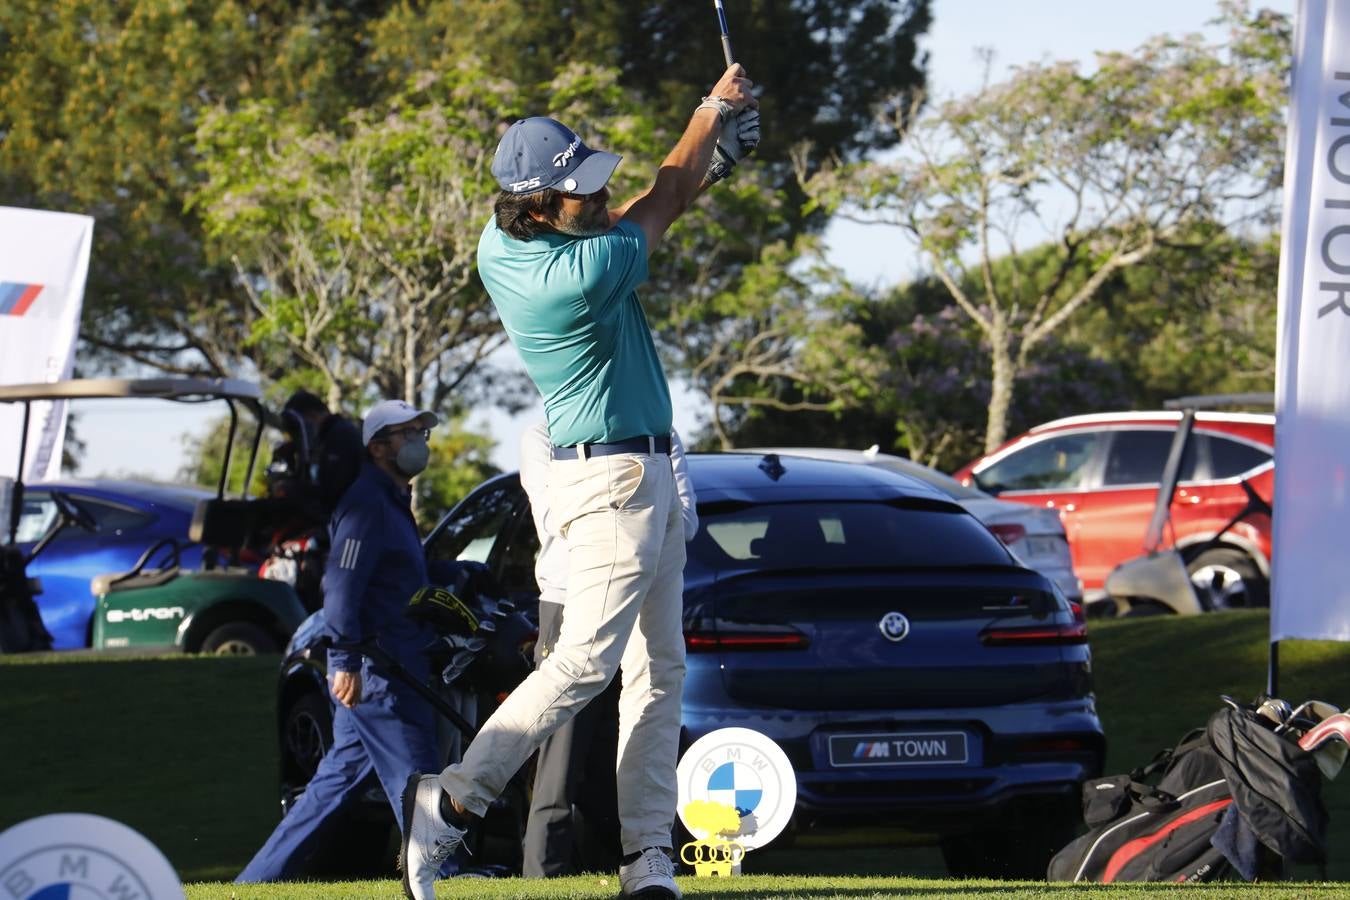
{"points": [[912, 671]]}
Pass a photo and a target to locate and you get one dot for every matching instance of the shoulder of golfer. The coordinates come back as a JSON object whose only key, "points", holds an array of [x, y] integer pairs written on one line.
{"points": [[683, 486], [681, 174]]}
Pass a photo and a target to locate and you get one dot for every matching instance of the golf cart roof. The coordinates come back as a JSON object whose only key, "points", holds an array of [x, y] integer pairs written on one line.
{"points": [[183, 389]]}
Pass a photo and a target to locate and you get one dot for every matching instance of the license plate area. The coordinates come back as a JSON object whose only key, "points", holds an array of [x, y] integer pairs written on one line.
{"points": [[903, 748]]}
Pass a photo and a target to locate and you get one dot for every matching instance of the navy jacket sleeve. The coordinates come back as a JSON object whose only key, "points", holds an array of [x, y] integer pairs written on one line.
{"points": [[357, 536]]}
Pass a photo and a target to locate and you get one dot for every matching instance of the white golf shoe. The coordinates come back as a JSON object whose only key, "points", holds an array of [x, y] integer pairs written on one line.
{"points": [[428, 840], [649, 877]]}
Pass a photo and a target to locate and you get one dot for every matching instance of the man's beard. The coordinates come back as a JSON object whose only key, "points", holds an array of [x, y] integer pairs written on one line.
{"points": [[588, 224]]}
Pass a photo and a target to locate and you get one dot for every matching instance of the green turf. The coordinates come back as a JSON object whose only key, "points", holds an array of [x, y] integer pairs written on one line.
{"points": [[184, 750], [764, 887]]}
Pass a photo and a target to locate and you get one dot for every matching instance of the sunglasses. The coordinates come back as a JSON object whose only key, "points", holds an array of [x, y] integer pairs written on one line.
{"points": [[405, 433]]}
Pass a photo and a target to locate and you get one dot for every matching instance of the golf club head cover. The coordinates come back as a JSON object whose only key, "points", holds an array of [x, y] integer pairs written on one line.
{"points": [[442, 611], [739, 138]]}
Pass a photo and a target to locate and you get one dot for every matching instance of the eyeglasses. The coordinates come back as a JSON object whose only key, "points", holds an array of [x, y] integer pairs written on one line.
{"points": [[405, 433]]}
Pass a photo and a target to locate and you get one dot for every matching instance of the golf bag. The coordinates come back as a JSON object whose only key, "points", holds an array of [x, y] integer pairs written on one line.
{"points": [[1233, 798]]}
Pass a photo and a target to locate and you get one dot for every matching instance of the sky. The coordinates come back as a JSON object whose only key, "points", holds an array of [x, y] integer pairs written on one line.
{"points": [[147, 439]]}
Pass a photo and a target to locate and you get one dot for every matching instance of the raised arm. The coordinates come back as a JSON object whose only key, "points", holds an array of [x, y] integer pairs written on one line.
{"points": [[678, 182]]}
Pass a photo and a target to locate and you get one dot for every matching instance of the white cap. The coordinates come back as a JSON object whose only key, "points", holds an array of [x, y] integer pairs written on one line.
{"points": [[393, 412]]}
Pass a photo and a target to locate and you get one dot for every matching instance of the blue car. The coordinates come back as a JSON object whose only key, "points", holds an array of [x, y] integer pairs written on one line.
{"points": [[131, 517], [828, 604]]}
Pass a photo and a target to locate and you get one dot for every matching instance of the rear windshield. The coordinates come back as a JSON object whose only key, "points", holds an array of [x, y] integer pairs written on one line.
{"points": [[840, 535]]}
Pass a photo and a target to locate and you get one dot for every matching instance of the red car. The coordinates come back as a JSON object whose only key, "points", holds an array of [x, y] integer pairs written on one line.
{"points": [[1101, 473]]}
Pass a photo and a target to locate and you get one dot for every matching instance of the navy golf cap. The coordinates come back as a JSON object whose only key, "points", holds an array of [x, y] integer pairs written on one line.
{"points": [[539, 153]]}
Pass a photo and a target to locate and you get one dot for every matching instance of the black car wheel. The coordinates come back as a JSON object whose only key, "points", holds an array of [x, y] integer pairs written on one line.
{"points": [[308, 732], [239, 639], [1227, 579]]}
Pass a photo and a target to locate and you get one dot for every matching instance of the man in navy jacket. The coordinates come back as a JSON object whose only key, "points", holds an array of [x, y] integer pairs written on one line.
{"points": [[375, 565]]}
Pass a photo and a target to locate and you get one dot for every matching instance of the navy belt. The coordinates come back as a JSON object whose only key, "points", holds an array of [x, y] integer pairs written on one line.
{"points": [[652, 444]]}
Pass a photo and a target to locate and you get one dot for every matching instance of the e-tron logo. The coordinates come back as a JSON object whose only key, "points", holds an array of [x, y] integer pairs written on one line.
{"points": [[894, 627], [82, 857]]}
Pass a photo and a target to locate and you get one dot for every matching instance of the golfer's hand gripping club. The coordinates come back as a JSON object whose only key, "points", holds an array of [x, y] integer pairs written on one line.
{"points": [[740, 123]]}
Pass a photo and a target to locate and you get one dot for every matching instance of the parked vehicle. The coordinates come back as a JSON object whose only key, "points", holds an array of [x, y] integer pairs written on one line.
{"points": [[162, 571], [1158, 581], [1035, 536], [131, 517], [828, 604], [1101, 473]]}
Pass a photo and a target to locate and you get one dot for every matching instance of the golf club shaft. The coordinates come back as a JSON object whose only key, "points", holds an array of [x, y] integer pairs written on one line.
{"points": [[726, 35]]}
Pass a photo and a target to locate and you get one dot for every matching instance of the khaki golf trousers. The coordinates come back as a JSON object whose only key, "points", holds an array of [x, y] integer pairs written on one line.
{"points": [[620, 519]]}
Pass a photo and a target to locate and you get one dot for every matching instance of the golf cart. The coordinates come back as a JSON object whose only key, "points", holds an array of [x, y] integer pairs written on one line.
{"points": [[220, 607], [1166, 580]]}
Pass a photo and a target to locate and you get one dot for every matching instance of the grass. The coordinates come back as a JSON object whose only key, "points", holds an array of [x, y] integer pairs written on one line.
{"points": [[184, 750], [765, 887]]}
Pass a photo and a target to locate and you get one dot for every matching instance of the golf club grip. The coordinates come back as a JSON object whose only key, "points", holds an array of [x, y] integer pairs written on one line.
{"points": [[726, 34]]}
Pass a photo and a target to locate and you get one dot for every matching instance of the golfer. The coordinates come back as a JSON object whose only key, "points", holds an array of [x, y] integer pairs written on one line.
{"points": [[563, 270], [573, 823]]}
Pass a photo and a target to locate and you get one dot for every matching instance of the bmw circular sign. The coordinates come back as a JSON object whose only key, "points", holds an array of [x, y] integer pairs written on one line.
{"points": [[746, 771], [76, 856], [894, 627]]}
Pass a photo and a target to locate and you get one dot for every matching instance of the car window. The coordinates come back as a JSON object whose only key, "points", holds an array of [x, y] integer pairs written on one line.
{"points": [[517, 557], [837, 535], [1050, 464], [112, 518], [1229, 458], [1138, 456], [475, 525], [39, 514]]}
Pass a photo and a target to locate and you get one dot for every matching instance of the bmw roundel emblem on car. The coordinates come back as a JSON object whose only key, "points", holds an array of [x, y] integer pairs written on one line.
{"points": [[894, 627]]}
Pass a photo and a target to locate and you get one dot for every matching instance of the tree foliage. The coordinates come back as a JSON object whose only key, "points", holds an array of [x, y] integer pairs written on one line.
{"points": [[1109, 167], [98, 103]]}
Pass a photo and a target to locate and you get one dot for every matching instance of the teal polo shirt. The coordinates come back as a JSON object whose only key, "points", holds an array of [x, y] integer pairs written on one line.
{"points": [[570, 307]]}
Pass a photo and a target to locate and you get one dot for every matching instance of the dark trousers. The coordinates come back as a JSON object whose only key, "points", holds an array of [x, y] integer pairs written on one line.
{"points": [[574, 816]]}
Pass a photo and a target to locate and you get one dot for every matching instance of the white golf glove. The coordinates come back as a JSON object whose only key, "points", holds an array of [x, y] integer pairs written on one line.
{"points": [[739, 138]]}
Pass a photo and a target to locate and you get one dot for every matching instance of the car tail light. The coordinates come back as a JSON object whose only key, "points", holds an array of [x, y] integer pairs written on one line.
{"points": [[711, 641], [1035, 635], [1008, 532], [1077, 609]]}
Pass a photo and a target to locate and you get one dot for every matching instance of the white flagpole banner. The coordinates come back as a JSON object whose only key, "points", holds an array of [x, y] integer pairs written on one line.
{"points": [[44, 258], [1310, 573]]}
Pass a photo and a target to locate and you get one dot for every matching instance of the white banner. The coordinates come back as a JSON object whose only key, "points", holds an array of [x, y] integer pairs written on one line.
{"points": [[1311, 575], [44, 258]]}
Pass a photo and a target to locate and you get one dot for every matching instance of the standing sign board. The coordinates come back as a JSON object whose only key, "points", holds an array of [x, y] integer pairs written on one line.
{"points": [[1310, 594], [44, 258]]}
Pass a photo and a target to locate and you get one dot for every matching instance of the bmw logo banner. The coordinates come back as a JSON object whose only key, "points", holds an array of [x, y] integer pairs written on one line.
{"points": [[737, 792], [70, 856]]}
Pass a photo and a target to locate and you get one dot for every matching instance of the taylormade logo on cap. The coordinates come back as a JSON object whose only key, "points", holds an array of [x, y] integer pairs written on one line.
{"points": [[539, 153]]}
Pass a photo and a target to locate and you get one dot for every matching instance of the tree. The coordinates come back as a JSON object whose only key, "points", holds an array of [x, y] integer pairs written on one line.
{"points": [[780, 337], [98, 103], [1111, 167], [460, 461]]}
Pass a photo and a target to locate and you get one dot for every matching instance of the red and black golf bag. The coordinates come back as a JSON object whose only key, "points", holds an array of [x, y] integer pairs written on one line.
{"points": [[1234, 799]]}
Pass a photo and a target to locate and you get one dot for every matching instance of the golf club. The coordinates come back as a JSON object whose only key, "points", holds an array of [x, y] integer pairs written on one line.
{"points": [[726, 35]]}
